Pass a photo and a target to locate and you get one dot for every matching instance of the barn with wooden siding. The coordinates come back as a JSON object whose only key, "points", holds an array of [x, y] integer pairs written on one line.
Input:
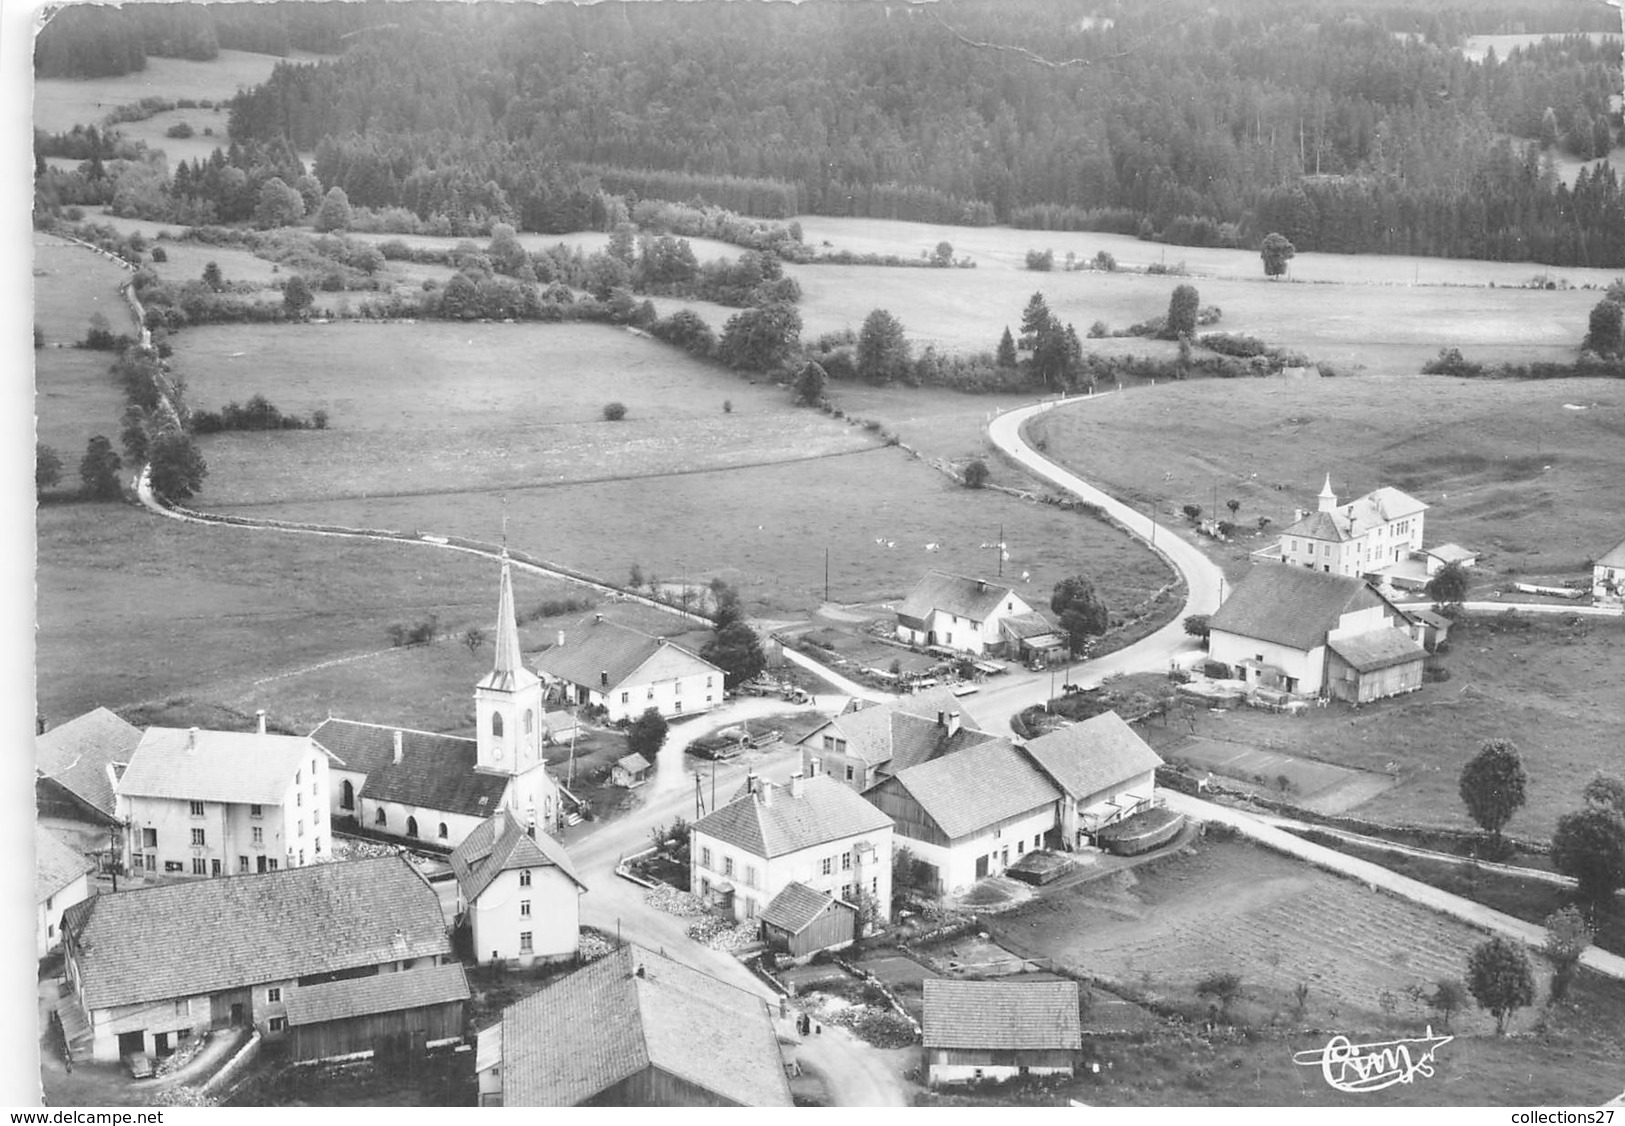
{"points": [[414, 1007], [801, 921], [994, 1030], [1371, 666]]}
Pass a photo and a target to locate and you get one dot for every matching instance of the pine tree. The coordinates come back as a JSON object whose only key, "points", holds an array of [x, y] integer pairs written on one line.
{"points": [[1006, 357]]}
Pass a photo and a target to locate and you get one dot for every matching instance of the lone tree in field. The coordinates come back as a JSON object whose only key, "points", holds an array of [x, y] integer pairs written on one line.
{"points": [[1224, 986], [1233, 505], [647, 734], [1449, 586], [1567, 937], [1079, 610], [99, 469], [1589, 846], [1500, 980], [212, 276], [296, 296], [1183, 306], [810, 383], [1197, 626], [1603, 331], [1449, 997], [976, 474], [883, 353], [1277, 250], [1492, 786], [473, 638], [614, 412], [47, 467]]}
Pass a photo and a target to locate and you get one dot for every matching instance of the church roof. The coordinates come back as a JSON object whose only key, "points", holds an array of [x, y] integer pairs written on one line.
{"points": [[508, 672]]}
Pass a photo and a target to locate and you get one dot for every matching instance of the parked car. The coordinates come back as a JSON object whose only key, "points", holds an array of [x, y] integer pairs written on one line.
{"points": [[140, 1065]]}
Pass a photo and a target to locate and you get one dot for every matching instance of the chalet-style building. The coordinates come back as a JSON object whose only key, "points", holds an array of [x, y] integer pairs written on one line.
{"points": [[1362, 537], [1310, 632], [626, 672], [61, 879], [954, 612], [993, 1030], [971, 814], [860, 747], [216, 803], [813, 831], [149, 967], [634, 1028], [1105, 772], [1608, 577], [76, 770], [422, 786], [518, 893]]}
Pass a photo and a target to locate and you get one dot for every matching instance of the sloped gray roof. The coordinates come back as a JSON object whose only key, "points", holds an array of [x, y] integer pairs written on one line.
{"points": [[1020, 1016], [597, 646], [826, 811], [76, 755], [1614, 557], [501, 844], [216, 766], [380, 993], [981, 786], [1093, 756], [56, 864], [1381, 649], [632, 763], [1291, 606], [435, 772], [874, 734], [916, 739], [795, 908], [583, 1034], [203, 936], [975, 599]]}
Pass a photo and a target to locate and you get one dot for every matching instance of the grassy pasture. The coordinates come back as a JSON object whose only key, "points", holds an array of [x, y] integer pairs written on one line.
{"points": [[74, 396], [1478, 452], [198, 146], [1476, 47]]}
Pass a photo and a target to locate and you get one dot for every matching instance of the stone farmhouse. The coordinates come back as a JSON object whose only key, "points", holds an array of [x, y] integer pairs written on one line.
{"points": [[276, 952], [518, 893], [946, 611], [634, 1028], [626, 672], [1313, 632]]}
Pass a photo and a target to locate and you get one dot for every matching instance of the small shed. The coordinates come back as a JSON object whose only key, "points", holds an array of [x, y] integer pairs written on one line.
{"points": [[1429, 628], [365, 1014], [800, 921], [994, 1030], [1438, 557], [1372, 666], [631, 771]]}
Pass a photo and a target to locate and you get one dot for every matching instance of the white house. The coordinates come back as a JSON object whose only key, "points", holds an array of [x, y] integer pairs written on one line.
{"points": [[626, 672], [970, 814], [1362, 537], [419, 785], [518, 892], [1608, 577], [1105, 772], [1279, 626], [955, 612], [61, 879], [859, 747], [814, 831], [216, 803]]}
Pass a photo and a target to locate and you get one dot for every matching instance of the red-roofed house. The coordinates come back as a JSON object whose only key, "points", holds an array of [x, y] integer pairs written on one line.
{"points": [[814, 831], [626, 672], [518, 893], [955, 612]]}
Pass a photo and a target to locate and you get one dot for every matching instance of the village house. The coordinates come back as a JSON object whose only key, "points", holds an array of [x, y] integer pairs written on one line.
{"points": [[77, 765], [634, 1028], [1105, 772], [1362, 537], [423, 786], [150, 966], [1310, 632], [859, 747], [814, 831], [627, 672], [1608, 577], [969, 815], [518, 893], [954, 612], [216, 803], [61, 879], [978, 1031]]}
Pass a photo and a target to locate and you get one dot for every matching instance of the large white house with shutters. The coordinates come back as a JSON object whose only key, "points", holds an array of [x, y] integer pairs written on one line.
{"points": [[627, 672], [954, 612]]}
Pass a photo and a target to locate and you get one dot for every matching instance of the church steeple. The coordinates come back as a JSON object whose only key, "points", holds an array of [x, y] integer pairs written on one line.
{"points": [[508, 702], [1328, 499], [508, 659]]}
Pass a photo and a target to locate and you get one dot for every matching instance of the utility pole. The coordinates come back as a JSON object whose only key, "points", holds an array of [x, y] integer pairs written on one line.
{"points": [[699, 800], [826, 574], [1001, 551]]}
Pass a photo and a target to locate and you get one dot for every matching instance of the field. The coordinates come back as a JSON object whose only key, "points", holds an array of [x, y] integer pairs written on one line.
{"points": [[1476, 47], [1508, 468], [75, 397], [1551, 688]]}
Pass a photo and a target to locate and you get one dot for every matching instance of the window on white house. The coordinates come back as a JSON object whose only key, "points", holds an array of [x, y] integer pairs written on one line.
{"points": [[273, 995], [255, 809], [278, 1023], [524, 878], [199, 838], [750, 875], [200, 866], [846, 861], [525, 946], [705, 857], [242, 864], [728, 866], [626, 697], [259, 835], [381, 818], [828, 863], [197, 808], [149, 838], [524, 908]]}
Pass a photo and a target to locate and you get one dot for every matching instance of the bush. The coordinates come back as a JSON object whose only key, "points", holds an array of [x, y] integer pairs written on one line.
{"points": [[1041, 260], [976, 474], [614, 412], [180, 131]]}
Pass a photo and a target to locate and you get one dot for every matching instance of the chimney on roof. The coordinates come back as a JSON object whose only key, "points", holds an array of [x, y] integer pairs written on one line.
{"points": [[815, 766], [942, 719], [561, 638], [952, 724], [603, 679], [191, 737], [981, 584], [753, 784], [398, 941], [400, 745], [639, 970], [260, 715], [598, 617], [765, 788], [796, 782], [1297, 514]]}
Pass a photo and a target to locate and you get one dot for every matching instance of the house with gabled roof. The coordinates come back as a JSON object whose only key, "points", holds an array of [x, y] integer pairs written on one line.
{"points": [[61, 879], [1608, 577], [148, 967], [436, 788], [956, 612], [1278, 628], [970, 814], [76, 770], [814, 831], [626, 672], [634, 1028], [215, 803], [1104, 771], [1361, 537], [977, 1031], [517, 892], [860, 746], [349, 1016], [800, 921]]}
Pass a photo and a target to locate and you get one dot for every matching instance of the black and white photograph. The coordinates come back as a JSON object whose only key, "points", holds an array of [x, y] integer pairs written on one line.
{"points": [[819, 553]]}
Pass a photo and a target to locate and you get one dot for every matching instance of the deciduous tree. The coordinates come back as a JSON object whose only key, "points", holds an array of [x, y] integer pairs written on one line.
{"points": [[810, 383], [1492, 786], [47, 467], [1183, 305], [737, 651], [1500, 980], [99, 469], [1276, 250], [296, 295], [976, 473], [178, 468], [1603, 330], [1080, 611], [760, 339], [1589, 845], [647, 734], [1567, 936], [335, 213], [1448, 587], [278, 205], [883, 352]]}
